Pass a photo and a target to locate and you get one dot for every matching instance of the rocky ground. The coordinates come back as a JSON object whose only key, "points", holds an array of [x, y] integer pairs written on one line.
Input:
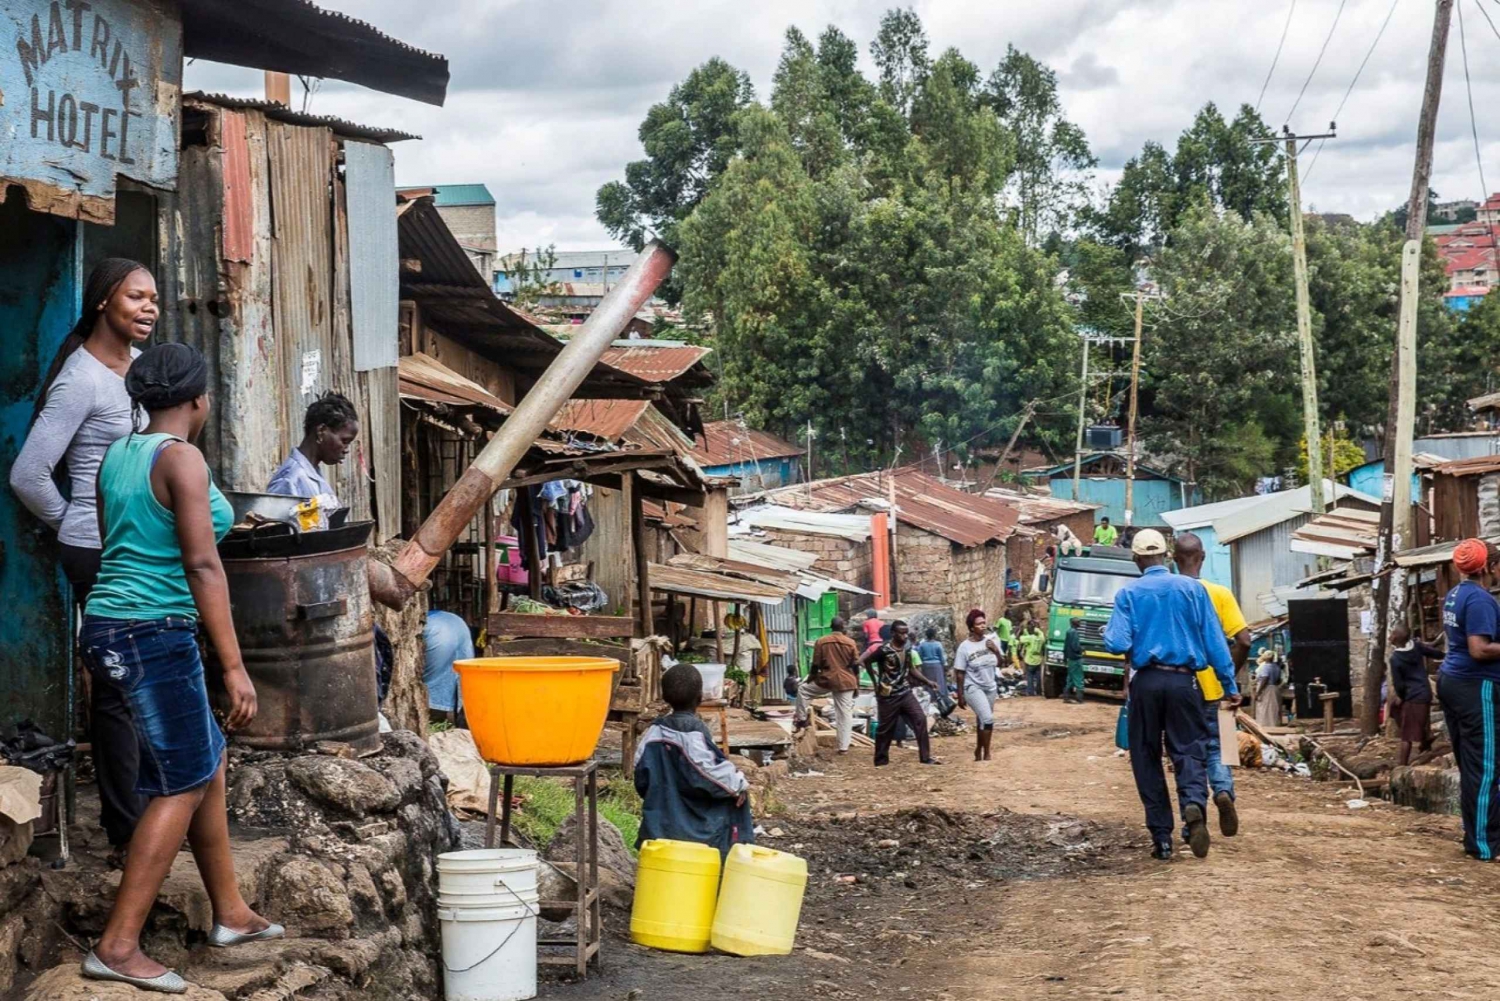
{"points": [[1028, 877]]}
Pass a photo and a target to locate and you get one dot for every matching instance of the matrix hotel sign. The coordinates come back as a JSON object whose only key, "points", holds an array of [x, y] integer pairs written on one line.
{"points": [[89, 91]]}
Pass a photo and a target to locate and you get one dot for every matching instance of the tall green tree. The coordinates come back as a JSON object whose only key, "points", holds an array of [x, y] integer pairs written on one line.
{"points": [[1049, 178], [689, 140], [900, 53]]}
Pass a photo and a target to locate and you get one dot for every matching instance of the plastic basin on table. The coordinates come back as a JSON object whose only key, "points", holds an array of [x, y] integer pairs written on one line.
{"points": [[536, 711]]}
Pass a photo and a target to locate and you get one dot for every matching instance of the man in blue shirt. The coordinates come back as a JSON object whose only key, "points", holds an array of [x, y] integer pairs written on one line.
{"points": [[1469, 690], [1167, 628]]}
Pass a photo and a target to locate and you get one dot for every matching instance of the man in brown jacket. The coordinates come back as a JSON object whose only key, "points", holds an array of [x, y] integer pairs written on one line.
{"points": [[832, 673]]}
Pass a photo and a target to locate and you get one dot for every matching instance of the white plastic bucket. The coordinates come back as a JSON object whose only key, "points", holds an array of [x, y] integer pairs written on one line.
{"points": [[486, 877], [489, 953]]}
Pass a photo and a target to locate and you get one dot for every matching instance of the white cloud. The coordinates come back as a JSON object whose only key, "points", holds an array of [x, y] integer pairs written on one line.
{"points": [[546, 99]]}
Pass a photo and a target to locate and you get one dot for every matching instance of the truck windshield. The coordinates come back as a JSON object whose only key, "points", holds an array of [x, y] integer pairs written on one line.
{"points": [[1077, 587]]}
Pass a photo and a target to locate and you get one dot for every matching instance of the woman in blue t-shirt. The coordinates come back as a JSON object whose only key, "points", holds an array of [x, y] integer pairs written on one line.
{"points": [[1469, 690]]}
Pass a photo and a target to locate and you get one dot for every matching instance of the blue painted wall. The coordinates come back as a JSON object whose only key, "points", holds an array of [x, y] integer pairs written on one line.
{"points": [[1370, 479], [1462, 303], [1152, 498], [768, 474], [40, 257], [1217, 567]]}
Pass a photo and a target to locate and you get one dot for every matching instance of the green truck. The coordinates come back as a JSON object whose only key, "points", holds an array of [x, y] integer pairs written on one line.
{"points": [[1084, 588]]}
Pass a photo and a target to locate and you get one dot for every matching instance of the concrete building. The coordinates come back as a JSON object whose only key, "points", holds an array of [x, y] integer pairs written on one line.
{"points": [[468, 210]]}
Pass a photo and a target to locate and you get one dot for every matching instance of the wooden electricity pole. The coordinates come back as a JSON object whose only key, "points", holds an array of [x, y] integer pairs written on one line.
{"points": [[1390, 589], [1304, 329], [1135, 383], [1083, 406]]}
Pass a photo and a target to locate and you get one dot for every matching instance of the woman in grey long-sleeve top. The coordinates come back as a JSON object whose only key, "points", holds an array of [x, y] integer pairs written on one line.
{"points": [[82, 410]]}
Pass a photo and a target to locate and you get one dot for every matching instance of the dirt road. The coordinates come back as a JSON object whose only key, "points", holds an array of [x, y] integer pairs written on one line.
{"points": [[1028, 877]]}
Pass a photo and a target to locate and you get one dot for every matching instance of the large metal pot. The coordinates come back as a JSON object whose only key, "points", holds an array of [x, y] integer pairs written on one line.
{"points": [[301, 606]]}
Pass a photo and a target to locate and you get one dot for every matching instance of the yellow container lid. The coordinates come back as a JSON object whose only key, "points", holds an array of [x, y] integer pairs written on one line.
{"points": [[680, 856], [768, 863]]}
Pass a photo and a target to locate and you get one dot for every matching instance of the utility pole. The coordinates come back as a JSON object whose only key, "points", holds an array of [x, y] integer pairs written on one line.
{"points": [[1390, 589], [1083, 406], [1304, 327], [1135, 383], [809, 459], [1010, 446]]}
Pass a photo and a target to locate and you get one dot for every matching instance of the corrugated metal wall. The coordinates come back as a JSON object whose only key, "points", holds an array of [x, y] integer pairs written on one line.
{"points": [[1152, 498], [781, 631], [374, 292], [1265, 560], [262, 285]]}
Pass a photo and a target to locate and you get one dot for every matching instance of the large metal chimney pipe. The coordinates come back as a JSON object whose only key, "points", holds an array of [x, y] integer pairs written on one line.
{"points": [[394, 585]]}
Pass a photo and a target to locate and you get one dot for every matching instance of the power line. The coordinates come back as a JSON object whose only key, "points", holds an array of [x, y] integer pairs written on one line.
{"points": [[1319, 61], [1271, 72], [1463, 45], [1357, 74]]}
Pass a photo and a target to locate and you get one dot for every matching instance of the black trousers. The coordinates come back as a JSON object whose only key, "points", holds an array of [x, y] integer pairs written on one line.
{"points": [[893, 708], [117, 753], [1167, 704], [1470, 708]]}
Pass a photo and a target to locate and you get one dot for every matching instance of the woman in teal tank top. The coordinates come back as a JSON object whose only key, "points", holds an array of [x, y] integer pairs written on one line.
{"points": [[160, 579]]}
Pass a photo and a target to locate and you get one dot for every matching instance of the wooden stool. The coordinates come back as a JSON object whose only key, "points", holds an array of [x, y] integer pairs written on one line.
{"points": [[586, 906], [1329, 698], [721, 707]]}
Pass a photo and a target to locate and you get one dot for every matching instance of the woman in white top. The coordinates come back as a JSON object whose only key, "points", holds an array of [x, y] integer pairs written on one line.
{"points": [[81, 410], [976, 665]]}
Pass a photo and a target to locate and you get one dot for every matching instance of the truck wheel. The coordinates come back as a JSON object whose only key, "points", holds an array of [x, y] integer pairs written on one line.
{"points": [[1053, 680]]}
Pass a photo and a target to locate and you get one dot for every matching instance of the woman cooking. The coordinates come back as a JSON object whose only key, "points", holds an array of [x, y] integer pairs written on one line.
{"points": [[83, 408], [161, 519], [976, 666], [328, 429]]}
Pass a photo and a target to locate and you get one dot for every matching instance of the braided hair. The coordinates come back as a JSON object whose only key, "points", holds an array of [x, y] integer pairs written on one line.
{"points": [[331, 410]]}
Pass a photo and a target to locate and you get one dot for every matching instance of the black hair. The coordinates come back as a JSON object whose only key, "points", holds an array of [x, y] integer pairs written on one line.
{"points": [[682, 687], [838, 624], [331, 410], [166, 375], [932, 632], [97, 289], [898, 624]]}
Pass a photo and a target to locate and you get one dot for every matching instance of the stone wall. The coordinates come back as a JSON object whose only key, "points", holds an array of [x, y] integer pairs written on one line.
{"points": [[1360, 600], [931, 570], [339, 850], [842, 559]]}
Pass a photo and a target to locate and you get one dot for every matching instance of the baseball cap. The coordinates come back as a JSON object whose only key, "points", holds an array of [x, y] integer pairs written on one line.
{"points": [[1149, 542]]}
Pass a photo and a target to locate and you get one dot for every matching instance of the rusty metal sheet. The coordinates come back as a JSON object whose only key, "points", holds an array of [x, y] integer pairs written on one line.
{"points": [[89, 92], [609, 420], [727, 443], [922, 501], [239, 209], [715, 587], [374, 265], [657, 362], [276, 111]]}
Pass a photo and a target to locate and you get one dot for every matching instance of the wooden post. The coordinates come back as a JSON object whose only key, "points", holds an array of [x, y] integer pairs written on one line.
{"points": [[1310, 427], [718, 635], [644, 625], [1389, 591], [1135, 382]]}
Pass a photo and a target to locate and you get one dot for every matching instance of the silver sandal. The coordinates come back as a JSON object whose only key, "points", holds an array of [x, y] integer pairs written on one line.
{"points": [[167, 983], [223, 938]]}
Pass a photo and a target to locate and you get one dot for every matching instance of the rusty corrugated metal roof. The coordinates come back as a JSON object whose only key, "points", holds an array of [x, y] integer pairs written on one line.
{"points": [[657, 362], [1036, 509], [922, 501], [605, 419], [1476, 466], [727, 443], [425, 378], [718, 587]]}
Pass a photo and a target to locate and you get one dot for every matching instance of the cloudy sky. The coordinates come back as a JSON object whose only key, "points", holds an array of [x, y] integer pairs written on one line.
{"points": [[546, 98]]}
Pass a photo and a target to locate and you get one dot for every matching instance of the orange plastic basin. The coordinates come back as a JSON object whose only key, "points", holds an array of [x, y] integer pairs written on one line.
{"points": [[536, 711]]}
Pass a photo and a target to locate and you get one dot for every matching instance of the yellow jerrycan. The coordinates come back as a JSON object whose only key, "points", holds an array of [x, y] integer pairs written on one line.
{"points": [[676, 887], [760, 902]]}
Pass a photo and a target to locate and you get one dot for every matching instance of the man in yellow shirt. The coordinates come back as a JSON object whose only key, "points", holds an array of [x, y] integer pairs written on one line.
{"points": [[1105, 534], [1189, 555]]}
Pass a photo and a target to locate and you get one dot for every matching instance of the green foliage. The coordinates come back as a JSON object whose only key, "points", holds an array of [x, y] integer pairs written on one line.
{"points": [[546, 803], [689, 140], [1221, 343], [1340, 454], [529, 273]]}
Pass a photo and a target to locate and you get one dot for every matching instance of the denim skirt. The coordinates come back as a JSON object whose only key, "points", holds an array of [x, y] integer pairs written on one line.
{"points": [[155, 666]]}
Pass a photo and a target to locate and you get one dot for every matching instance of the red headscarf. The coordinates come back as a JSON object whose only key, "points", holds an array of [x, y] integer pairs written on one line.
{"points": [[1471, 556]]}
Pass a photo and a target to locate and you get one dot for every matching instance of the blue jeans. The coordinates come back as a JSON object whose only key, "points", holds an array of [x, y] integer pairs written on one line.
{"points": [[1220, 778], [446, 638], [1033, 679], [153, 664]]}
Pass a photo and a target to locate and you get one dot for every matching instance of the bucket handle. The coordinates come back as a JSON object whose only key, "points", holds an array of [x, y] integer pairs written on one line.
{"points": [[530, 913]]}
